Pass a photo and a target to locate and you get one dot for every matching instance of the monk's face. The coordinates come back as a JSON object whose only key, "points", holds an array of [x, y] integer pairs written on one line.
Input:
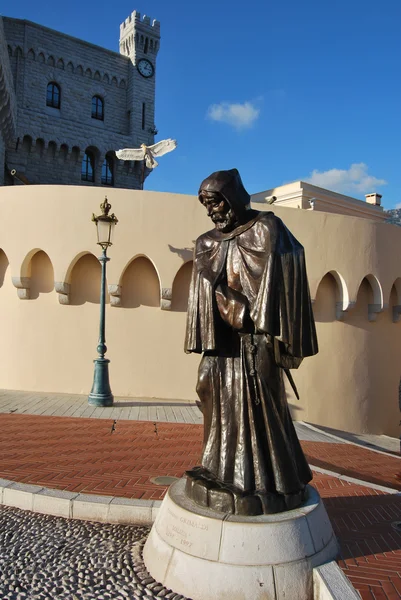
{"points": [[219, 211]]}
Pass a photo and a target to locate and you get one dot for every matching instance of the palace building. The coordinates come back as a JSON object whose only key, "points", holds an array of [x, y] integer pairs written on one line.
{"points": [[66, 105]]}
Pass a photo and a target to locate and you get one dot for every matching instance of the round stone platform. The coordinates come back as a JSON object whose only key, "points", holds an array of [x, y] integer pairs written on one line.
{"points": [[204, 555]]}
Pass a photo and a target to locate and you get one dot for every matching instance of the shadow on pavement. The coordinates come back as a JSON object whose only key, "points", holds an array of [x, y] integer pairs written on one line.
{"points": [[366, 525], [352, 437]]}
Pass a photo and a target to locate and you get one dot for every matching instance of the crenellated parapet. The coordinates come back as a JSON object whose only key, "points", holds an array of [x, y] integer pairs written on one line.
{"points": [[135, 19], [139, 35]]}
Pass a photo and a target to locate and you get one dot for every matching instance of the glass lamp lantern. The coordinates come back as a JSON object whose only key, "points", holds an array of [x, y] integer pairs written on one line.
{"points": [[105, 224]]}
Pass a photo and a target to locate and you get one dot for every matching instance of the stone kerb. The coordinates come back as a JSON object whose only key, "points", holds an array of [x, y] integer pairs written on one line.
{"points": [[205, 555], [330, 583]]}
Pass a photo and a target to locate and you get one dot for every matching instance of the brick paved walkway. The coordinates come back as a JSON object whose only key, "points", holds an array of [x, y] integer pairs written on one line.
{"points": [[118, 458], [370, 547], [355, 461]]}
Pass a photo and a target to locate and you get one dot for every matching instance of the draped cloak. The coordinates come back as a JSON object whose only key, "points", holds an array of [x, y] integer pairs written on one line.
{"points": [[250, 314]]}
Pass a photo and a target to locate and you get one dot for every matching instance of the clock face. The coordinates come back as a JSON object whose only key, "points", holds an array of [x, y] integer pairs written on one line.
{"points": [[145, 67]]}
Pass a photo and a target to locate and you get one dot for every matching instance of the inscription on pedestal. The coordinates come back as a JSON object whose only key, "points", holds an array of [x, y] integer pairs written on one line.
{"points": [[200, 556], [189, 532]]}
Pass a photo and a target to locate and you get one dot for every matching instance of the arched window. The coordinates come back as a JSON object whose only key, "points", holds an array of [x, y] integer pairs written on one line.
{"points": [[88, 167], [108, 171], [53, 95], [97, 108]]}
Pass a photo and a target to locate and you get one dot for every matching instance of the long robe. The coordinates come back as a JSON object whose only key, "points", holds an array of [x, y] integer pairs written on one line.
{"points": [[250, 315]]}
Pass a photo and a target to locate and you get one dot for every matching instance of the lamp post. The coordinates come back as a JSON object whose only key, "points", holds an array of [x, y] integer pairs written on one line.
{"points": [[101, 393]]}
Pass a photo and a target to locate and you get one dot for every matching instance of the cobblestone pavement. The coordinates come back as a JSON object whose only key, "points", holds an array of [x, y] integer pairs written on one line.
{"points": [[43, 557]]}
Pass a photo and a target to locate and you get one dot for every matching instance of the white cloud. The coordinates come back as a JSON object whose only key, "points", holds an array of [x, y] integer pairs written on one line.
{"points": [[356, 179], [240, 116]]}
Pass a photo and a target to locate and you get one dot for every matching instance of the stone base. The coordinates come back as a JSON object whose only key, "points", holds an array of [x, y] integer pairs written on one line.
{"points": [[205, 490], [204, 555]]}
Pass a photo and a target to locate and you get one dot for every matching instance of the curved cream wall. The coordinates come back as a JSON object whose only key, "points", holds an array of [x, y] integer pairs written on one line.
{"points": [[351, 384]]}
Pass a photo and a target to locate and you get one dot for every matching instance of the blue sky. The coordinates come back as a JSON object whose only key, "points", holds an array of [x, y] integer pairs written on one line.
{"points": [[282, 90]]}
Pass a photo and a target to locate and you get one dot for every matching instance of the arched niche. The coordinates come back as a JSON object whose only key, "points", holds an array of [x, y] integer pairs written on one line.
{"points": [[327, 299], [376, 303], [75, 152], [397, 288], [140, 284], [181, 284], [376, 290], [40, 146], [42, 274], [84, 277], [395, 300], [3, 266], [367, 303], [27, 143], [63, 151], [51, 149], [364, 296]]}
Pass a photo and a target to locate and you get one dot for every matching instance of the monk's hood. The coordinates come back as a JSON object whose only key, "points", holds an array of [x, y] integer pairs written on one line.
{"points": [[230, 186]]}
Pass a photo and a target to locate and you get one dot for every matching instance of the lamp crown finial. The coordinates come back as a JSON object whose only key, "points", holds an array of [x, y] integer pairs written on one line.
{"points": [[105, 207]]}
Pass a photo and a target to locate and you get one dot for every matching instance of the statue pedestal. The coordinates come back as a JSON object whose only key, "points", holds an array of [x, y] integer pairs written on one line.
{"points": [[204, 555]]}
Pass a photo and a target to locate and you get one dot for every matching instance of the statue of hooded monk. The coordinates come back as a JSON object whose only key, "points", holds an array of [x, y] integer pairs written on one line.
{"points": [[250, 314]]}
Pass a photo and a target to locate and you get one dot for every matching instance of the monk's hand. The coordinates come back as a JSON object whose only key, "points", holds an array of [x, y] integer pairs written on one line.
{"points": [[233, 307]]}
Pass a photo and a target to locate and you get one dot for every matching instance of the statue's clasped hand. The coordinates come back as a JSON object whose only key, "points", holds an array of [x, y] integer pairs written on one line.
{"points": [[233, 308]]}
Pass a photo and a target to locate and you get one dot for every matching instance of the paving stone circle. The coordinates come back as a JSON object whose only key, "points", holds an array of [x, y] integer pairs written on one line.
{"points": [[44, 557]]}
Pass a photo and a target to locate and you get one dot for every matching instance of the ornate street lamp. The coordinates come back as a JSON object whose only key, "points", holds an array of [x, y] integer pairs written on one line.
{"points": [[101, 393]]}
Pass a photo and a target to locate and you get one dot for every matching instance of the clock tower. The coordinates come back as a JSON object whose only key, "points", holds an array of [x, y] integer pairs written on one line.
{"points": [[140, 40]]}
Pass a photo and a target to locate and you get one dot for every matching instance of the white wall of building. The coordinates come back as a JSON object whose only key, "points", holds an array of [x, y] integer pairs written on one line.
{"points": [[49, 339]]}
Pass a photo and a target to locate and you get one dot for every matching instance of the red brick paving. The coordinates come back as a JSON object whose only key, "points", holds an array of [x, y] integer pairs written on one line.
{"points": [[355, 461], [370, 547], [84, 455]]}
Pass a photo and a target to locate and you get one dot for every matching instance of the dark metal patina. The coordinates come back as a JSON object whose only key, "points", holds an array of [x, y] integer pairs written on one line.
{"points": [[250, 314]]}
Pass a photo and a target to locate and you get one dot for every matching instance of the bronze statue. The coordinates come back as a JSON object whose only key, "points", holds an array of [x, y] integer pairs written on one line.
{"points": [[250, 314]]}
